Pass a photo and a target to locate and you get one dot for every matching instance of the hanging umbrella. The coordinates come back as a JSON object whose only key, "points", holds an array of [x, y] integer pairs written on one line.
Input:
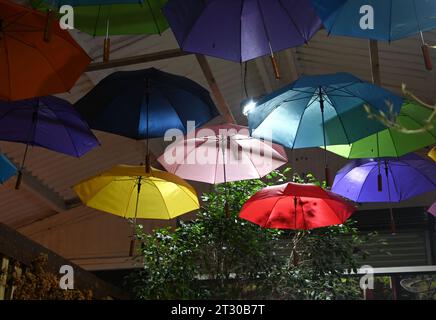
{"points": [[388, 20], [131, 192], [120, 104], [401, 178], [7, 169], [320, 111], [432, 210], [239, 30], [391, 142], [33, 61], [113, 17], [138, 192], [432, 154], [296, 206], [47, 122], [220, 154]]}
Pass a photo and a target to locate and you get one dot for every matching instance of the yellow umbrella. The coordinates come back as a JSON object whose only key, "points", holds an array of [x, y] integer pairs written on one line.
{"points": [[432, 154], [131, 192]]}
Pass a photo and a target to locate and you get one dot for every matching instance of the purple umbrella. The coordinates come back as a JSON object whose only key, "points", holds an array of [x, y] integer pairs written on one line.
{"points": [[432, 210], [402, 178], [241, 30], [47, 122]]}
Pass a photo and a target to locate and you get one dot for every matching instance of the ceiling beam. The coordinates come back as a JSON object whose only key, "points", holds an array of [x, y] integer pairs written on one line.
{"points": [[144, 58], [219, 98]]}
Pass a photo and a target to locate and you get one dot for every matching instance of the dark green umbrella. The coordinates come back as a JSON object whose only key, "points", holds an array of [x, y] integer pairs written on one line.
{"points": [[113, 17], [392, 142]]}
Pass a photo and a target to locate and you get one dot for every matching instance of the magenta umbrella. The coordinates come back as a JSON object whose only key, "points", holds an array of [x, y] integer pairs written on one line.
{"points": [[222, 153], [432, 210]]}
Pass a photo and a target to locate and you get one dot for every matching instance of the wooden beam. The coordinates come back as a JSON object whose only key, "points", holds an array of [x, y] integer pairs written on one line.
{"points": [[149, 57], [375, 62], [219, 98], [18, 247]]}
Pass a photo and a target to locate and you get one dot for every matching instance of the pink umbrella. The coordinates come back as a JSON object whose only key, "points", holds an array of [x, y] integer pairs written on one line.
{"points": [[432, 210], [222, 153]]}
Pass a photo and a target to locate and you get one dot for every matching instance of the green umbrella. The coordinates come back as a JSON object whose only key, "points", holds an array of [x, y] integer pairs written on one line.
{"points": [[113, 17], [121, 19], [391, 142]]}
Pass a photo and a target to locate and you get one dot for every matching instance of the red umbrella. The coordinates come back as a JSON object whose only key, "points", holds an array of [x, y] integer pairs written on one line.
{"points": [[296, 206]]}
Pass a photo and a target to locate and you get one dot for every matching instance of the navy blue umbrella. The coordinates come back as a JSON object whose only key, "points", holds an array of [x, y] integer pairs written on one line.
{"points": [[145, 104]]}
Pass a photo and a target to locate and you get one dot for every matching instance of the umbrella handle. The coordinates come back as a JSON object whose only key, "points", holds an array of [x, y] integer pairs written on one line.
{"points": [[19, 180], [427, 57], [48, 26], [275, 66], [106, 49]]}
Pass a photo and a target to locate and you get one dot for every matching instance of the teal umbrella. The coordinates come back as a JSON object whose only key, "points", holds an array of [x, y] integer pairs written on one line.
{"points": [[320, 111], [7, 169]]}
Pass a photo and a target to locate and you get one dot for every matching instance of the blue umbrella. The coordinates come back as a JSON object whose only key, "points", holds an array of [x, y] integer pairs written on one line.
{"points": [[319, 111], [7, 169], [145, 104], [122, 104], [385, 20]]}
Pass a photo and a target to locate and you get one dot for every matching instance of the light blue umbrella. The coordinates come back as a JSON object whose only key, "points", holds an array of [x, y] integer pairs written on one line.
{"points": [[7, 169], [385, 20], [320, 111]]}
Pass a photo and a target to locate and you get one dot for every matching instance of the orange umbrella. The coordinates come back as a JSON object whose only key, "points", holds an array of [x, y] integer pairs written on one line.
{"points": [[37, 57]]}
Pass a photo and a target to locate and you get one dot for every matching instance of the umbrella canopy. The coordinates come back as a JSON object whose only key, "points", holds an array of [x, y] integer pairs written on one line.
{"points": [[320, 110], [393, 20], [47, 122], [432, 210], [296, 206], [115, 17], [29, 65], [223, 153], [7, 169], [402, 178], [131, 192], [432, 154], [391, 142], [239, 30], [145, 104]]}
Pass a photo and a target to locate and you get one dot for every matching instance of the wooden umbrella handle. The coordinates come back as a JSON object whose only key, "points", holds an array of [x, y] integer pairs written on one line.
{"points": [[275, 66], [106, 49], [427, 57]]}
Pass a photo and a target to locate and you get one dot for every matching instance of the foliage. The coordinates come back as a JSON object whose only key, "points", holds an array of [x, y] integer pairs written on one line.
{"points": [[389, 119], [218, 255], [37, 283]]}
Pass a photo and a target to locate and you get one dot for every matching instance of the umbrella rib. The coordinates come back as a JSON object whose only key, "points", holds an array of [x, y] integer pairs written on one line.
{"points": [[194, 24], [395, 183], [292, 20], [249, 158], [424, 175], [161, 196], [338, 16], [265, 225], [420, 125], [393, 141], [44, 57], [67, 131], [340, 120], [130, 198], [8, 66]]}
